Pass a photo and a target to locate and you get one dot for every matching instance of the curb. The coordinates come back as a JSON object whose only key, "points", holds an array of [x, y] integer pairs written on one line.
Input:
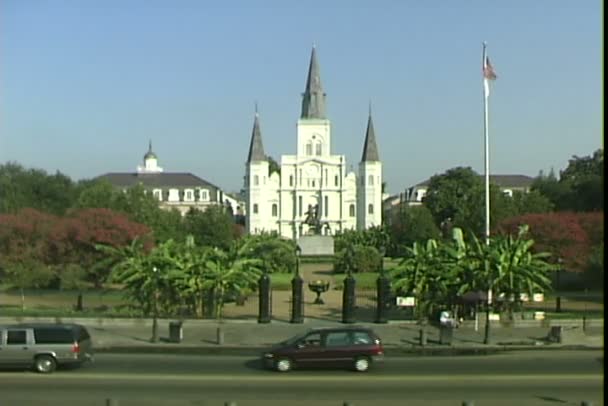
{"points": [[390, 350]]}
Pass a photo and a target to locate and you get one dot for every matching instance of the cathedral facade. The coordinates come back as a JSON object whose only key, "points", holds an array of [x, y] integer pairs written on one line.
{"points": [[313, 193]]}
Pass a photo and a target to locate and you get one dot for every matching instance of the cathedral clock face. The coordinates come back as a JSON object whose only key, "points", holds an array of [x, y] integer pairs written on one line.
{"points": [[312, 171]]}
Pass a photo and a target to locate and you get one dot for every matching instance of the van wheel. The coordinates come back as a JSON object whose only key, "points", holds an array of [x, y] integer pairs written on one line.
{"points": [[283, 365], [362, 364], [45, 364]]}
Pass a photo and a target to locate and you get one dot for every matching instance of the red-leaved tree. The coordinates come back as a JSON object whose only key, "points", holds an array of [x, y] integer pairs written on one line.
{"points": [[74, 238], [563, 234]]}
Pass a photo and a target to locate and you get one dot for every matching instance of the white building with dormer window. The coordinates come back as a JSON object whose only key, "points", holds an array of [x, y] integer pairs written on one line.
{"points": [[181, 191], [313, 178]]}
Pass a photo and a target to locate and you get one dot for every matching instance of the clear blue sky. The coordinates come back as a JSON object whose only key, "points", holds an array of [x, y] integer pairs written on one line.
{"points": [[85, 84]]}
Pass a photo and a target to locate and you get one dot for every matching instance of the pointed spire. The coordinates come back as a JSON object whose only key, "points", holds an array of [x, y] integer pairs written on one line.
{"points": [[370, 148], [313, 101], [150, 145], [256, 148]]}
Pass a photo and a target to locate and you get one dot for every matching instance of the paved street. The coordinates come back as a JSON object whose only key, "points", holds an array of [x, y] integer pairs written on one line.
{"points": [[523, 378]]}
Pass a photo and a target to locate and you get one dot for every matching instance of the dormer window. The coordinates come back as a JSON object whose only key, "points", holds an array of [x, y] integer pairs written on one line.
{"points": [[173, 195], [189, 195]]}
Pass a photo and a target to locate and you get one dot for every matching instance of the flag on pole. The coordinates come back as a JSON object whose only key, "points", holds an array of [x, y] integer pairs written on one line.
{"points": [[488, 74]]}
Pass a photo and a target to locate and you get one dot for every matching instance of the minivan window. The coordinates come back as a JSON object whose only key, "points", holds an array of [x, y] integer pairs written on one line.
{"points": [[83, 334], [361, 338], [312, 340], [337, 339], [15, 337], [48, 335]]}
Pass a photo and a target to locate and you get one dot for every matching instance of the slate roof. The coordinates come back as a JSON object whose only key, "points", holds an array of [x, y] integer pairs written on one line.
{"points": [[256, 147], [313, 99], [370, 148], [157, 180]]}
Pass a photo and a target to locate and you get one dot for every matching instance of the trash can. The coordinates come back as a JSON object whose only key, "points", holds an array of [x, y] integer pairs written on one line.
{"points": [[555, 334], [176, 332], [445, 334]]}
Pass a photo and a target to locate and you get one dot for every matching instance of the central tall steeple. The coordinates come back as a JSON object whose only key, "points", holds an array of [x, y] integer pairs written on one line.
{"points": [[313, 98]]}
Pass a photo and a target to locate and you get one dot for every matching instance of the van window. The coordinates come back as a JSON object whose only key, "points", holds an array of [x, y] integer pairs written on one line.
{"points": [[83, 334], [361, 338], [15, 337], [337, 339], [50, 335]]}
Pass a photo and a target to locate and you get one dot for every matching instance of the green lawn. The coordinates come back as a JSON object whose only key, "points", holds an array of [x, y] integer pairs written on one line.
{"points": [[365, 280], [281, 281]]}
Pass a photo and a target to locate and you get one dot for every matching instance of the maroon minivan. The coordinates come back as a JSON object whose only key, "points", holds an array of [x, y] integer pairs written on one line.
{"points": [[352, 347]]}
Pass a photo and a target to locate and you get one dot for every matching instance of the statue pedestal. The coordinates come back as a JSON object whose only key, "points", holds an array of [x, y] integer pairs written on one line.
{"points": [[316, 245]]}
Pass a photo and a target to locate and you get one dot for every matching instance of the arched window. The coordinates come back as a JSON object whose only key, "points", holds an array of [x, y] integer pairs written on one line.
{"points": [[370, 209], [370, 180], [275, 210], [255, 208], [309, 149], [256, 180], [290, 180], [351, 210], [318, 148]]}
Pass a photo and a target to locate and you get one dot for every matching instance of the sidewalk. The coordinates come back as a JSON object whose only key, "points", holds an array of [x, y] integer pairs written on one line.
{"points": [[133, 335]]}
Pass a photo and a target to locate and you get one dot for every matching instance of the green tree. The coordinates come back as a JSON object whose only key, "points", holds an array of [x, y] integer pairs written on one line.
{"points": [[137, 269], [457, 196], [422, 274], [585, 178], [212, 227], [34, 188], [530, 202], [413, 224], [550, 187], [136, 202], [357, 259], [507, 267], [273, 166], [230, 272], [277, 254], [377, 237], [28, 274]]}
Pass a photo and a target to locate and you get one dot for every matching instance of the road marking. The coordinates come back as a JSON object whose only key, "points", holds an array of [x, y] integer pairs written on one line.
{"points": [[275, 378]]}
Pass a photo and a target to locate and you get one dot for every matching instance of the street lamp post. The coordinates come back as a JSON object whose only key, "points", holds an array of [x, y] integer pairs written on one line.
{"points": [[382, 293], [558, 299], [155, 309], [297, 293], [265, 307]]}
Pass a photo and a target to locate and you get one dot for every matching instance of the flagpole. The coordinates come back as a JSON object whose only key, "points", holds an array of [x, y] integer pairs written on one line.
{"points": [[486, 147], [486, 93]]}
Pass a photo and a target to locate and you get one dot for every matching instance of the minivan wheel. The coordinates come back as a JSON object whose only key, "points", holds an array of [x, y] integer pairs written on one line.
{"points": [[283, 365], [362, 364], [45, 364]]}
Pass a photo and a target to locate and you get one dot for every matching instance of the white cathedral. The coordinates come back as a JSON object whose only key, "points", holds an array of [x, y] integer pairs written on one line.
{"points": [[313, 183]]}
